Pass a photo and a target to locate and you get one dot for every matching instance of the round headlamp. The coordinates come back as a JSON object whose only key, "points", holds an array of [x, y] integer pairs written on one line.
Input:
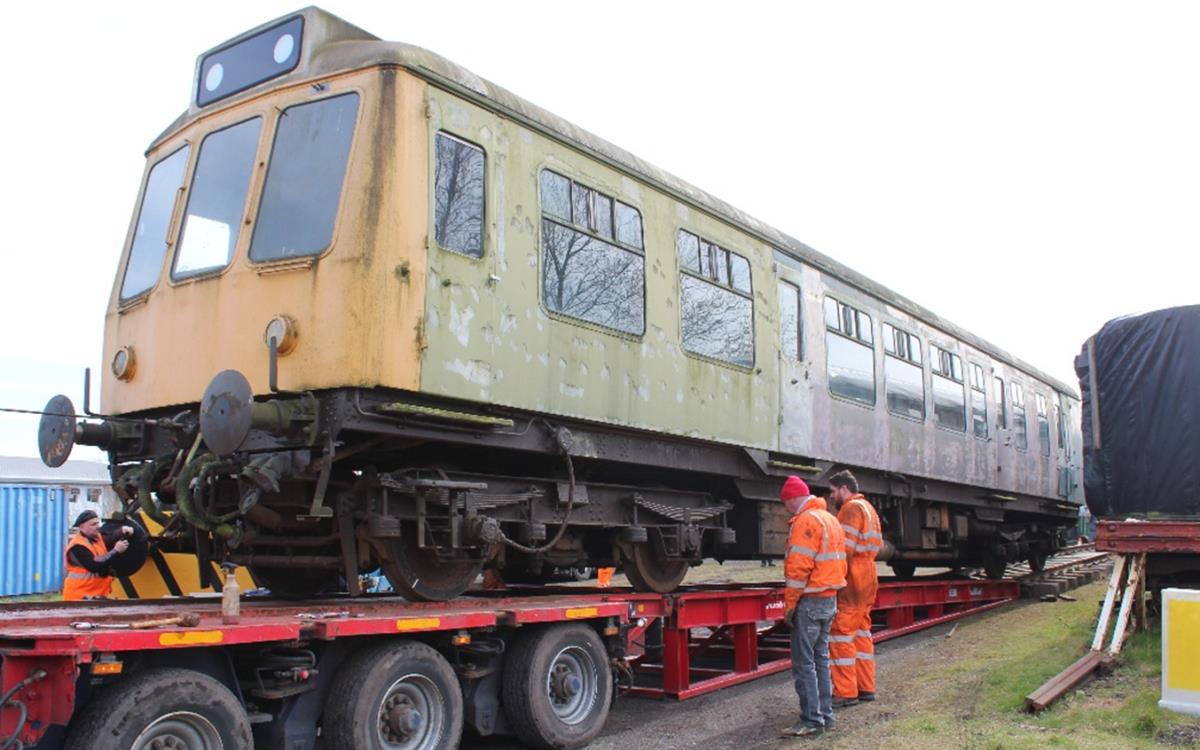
{"points": [[124, 364], [283, 329]]}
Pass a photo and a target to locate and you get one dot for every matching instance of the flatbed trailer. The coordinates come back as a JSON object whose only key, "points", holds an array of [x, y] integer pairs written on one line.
{"points": [[383, 672]]}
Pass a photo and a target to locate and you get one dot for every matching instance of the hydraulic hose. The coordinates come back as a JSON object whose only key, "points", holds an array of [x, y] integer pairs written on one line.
{"points": [[13, 742], [564, 445], [145, 481]]}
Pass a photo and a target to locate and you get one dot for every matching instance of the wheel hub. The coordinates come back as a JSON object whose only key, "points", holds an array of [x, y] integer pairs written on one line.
{"points": [[179, 730], [565, 684], [408, 716]]}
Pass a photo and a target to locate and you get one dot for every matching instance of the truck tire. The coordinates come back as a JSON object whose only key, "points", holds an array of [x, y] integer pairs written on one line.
{"points": [[557, 686], [394, 695], [162, 707]]}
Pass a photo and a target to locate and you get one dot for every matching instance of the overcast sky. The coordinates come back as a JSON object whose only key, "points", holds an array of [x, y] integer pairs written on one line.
{"points": [[1027, 170]]}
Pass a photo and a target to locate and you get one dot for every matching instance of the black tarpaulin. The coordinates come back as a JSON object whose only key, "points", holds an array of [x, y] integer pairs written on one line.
{"points": [[1140, 380]]}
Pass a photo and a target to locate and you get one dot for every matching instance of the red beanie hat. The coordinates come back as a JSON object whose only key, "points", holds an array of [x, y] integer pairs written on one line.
{"points": [[794, 487]]}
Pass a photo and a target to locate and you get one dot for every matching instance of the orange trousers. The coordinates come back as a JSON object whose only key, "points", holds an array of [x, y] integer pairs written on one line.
{"points": [[852, 652]]}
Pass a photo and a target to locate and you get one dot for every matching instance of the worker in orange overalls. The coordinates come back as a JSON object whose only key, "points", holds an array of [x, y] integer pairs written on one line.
{"points": [[87, 558], [851, 649], [815, 568]]}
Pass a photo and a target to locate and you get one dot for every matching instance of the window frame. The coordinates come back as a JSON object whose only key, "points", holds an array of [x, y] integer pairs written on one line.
{"points": [[170, 239], [716, 250], [855, 338], [981, 389], [260, 186], [1045, 433], [1017, 401], [904, 357], [254, 186], [945, 369], [799, 319], [483, 216], [568, 223]]}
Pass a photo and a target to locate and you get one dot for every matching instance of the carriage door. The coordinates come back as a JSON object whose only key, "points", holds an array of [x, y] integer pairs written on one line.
{"points": [[795, 388], [1068, 454], [1002, 445]]}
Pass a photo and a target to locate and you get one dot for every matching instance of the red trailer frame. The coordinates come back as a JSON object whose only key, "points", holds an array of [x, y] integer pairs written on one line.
{"points": [[1158, 536], [711, 636]]}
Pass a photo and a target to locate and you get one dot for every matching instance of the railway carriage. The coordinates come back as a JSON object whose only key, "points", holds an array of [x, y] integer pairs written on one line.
{"points": [[374, 311]]}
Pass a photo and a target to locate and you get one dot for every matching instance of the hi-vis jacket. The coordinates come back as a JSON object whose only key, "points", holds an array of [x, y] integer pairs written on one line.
{"points": [[81, 582], [864, 539], [816, 557]]}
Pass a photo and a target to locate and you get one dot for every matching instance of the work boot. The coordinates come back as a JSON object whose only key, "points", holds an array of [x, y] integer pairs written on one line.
{"points": [[800, 729], [839, 702], [866, 697]]}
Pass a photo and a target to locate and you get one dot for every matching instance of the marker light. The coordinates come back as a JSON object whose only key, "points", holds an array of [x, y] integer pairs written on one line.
{"points": [[283, 329], [250, 60], [124, 364], [284, 47], [212, 80]]}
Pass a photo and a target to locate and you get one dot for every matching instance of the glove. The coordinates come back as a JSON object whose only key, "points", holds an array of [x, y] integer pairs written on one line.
{"points": [[789, 616]]}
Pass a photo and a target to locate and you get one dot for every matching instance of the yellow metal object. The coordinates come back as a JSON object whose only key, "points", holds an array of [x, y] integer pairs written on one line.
{"points": [[1181, 651], [418, 623], [191, 638], [183, 570]]}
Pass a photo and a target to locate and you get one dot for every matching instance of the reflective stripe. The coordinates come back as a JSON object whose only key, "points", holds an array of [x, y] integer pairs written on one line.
{"points": [[830, 556], [863, 633], [799, 550], [841, 639], [842, 662], [863, 656], [795, 584], [850, 529], [815, 589], [83, 576]]}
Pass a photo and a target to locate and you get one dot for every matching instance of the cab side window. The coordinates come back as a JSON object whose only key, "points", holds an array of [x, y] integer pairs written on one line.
{"points": [[458, 195]]}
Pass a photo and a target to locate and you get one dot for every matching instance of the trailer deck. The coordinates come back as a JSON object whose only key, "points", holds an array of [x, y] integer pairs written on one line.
{"points": [[689, 643]]}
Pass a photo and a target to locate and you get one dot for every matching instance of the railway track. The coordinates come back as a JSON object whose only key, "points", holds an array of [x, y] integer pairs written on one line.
{"points": [[1066, 570]]}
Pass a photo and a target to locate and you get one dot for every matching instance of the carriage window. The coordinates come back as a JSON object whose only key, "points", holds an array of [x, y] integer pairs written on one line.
{"points": [[303, 188], [556, 195], [585, 275], [903, 378], [150, 235], [1043, 420], [949, 399], [1020, 436], [458, 196], [717, 317], [850, 354], [217, 200], [1061, 416], [1001, 400], [979, 401], [789, 321], [629, 225]]}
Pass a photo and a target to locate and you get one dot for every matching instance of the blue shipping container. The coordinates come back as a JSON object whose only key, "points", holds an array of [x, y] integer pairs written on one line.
{"points": [[33, 538]]}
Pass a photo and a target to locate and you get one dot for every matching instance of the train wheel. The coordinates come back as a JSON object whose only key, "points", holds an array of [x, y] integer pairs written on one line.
{"points": [[557, 686], [1037, 561], [420, 574], [396, 696], [648, 569], [296, 583], [903, 570], [994, 566], [176, 708]]}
